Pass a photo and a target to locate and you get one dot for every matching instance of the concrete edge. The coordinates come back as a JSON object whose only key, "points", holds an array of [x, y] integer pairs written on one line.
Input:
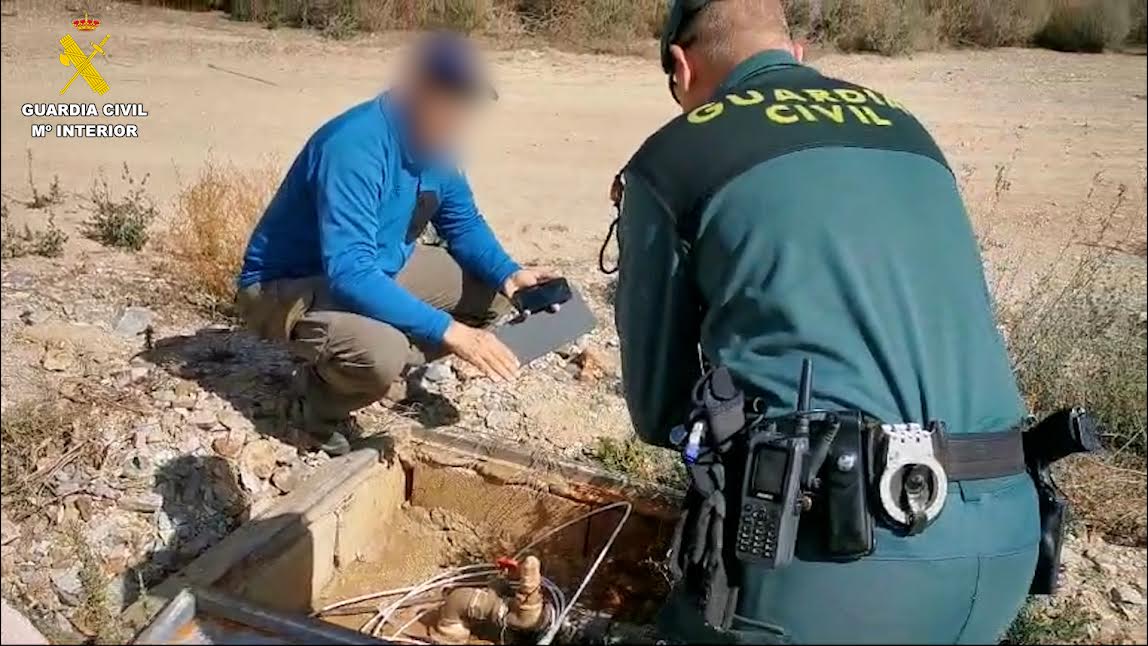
{"points": [[325, 492], [279, 522], [492, 448]]}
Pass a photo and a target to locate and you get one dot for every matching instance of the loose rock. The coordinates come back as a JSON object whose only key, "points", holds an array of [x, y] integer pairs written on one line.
{"points": [[503, 420], [186, 395], [147, 502], [134, 321], [67, 584], [204, 418], [228, 445], [8, 530], [85, 507], [285, 453], [592, 365], [1126, 594], [235, 421], [259, 458], [286, 479], [57, 359], [101, 489], [35, 317], [438, 372]]}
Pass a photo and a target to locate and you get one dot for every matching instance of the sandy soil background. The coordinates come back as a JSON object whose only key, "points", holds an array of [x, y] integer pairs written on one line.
{"points": [[189, 428], [542, 158]]}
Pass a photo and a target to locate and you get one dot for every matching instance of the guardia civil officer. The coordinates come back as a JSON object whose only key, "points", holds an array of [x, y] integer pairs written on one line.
{"points": [[786, 216]]}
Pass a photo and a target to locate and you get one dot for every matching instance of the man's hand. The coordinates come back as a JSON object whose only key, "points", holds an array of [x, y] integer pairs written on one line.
{"points": [[482, 350], [526, 278]]}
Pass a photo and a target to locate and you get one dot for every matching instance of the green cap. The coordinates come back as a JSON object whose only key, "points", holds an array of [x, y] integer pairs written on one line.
{"points": [[680, 11]]}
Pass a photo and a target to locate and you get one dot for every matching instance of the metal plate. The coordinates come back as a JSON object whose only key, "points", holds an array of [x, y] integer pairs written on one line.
{"points": [[545, 332], [200, 616]]}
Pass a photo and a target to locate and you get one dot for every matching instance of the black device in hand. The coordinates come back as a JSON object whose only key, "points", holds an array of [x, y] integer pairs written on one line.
{"points": [[541, 297], [771, 492]]}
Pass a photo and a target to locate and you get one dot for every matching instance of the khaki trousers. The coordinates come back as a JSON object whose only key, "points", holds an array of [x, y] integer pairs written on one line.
{"points": [[354, 359]]}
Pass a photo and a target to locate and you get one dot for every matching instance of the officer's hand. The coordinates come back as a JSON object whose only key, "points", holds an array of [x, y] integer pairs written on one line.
{"points": [[482, 350]]}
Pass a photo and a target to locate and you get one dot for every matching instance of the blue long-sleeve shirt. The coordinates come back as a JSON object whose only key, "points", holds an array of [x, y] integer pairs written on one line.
{"points": [[345, 210]]}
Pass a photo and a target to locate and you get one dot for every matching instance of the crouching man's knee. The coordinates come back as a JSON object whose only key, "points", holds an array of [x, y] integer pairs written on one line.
{"points": [[354, 354]]}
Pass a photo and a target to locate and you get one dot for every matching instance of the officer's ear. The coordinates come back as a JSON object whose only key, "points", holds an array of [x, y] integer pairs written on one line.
{"points": [[683, 73], [798, 51]]}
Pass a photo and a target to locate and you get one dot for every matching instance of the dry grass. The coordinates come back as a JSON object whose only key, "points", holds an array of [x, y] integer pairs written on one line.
{"points": [[883, 26], [16, 242], [639, 460], [1077, 337], [40, 200], [625, 26], [990, 23], [1087, 25], [120, 220], [214, 216], [1051, 621], [39, 438], [95, 612]]}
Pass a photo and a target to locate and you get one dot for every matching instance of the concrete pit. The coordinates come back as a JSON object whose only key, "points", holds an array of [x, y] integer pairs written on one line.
{"points": [[394, 516]]}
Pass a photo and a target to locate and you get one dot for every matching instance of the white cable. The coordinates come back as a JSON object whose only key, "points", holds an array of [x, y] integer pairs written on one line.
{"points": [[455, 578], [590, 514], [461, 574], [402, 629], [359, 599], [557, 625]]}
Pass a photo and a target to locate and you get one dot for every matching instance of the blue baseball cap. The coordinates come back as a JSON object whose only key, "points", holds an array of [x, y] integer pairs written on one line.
{"points": [[450, 61]]}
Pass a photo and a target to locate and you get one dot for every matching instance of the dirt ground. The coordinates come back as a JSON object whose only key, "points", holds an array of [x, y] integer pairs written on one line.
{"points": [[1031, 133], [541, 160]]}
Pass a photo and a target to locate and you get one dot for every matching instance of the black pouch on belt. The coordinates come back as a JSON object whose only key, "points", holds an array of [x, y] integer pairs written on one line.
{"points": [[844, 478], [1065, 432], [840, 522]]}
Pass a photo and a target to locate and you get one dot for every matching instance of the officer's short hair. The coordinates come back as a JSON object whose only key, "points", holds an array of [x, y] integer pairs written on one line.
{"points": [[722, 29]]}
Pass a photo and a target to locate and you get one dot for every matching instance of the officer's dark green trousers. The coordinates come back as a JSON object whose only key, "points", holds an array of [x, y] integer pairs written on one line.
{"points": [[962, 581]]}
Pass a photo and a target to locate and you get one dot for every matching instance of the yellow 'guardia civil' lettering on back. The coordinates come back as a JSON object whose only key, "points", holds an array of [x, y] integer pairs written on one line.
{"points": [[838, 106], [706, 112]]}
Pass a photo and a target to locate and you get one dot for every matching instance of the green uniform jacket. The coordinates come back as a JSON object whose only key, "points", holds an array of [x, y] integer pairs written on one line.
{"points": [[863, 259]]}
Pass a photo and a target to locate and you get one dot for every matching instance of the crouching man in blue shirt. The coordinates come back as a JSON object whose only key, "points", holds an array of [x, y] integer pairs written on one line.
{"points": [[334, 267]]}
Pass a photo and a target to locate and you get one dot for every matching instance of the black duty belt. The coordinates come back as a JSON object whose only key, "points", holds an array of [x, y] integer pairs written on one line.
{"points": [[980, 456]]}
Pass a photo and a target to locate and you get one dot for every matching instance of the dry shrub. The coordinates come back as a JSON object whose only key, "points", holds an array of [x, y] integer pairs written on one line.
{"points": [[47, 242], [96, 611], [1087, 25], [803, 17], [883, 26], [1052, 620], [1107, 496], [120, 221], [614, 26], [1139, 33], [459, 15], [214, 217], [1077, 337], [465, 16], [40, 437], [991, 23]]}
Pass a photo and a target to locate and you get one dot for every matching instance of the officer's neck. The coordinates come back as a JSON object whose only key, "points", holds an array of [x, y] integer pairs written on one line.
{"points": [[757, 62]]}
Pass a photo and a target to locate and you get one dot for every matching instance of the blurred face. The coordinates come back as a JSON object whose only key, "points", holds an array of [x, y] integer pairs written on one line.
{"points": [[439, 117]]}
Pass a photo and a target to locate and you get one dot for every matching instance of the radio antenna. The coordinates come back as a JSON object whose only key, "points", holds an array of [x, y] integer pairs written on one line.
{"points": [[805, 386]]}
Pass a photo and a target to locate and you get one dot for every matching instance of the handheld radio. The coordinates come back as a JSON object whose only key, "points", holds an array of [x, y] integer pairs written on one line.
{"points": [[771, 496]]}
